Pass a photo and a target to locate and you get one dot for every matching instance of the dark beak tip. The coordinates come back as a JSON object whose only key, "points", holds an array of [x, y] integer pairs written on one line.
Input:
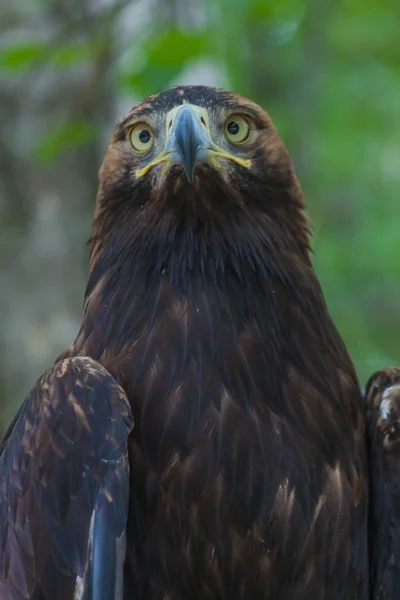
{"points": [[189, 171], [189, 161], [189, 138]]}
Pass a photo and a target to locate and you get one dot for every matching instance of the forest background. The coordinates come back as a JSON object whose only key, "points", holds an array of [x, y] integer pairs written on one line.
{"points": [[328, 73]]}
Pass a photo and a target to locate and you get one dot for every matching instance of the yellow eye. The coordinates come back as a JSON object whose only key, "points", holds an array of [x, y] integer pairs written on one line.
{"points": [[142, 137], [237, 129]]}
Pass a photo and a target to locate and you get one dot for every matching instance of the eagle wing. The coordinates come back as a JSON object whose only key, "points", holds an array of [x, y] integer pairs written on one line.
{"points": [[64, 486], [383, 430]]}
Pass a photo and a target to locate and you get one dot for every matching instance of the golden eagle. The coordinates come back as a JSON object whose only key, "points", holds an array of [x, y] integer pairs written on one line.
{"points": [[249, 471]]}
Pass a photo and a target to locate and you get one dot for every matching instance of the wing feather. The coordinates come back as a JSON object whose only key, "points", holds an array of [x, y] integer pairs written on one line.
{"points": [[64, 478], [383, 429]]}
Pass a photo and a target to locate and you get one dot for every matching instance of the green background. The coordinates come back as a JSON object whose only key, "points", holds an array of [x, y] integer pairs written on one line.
{"points": [[328, 73]]}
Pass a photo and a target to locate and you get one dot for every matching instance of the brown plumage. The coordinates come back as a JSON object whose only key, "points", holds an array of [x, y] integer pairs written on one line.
{"points": [[248, 472], [64, 475], [248, 464], [383, 419]]}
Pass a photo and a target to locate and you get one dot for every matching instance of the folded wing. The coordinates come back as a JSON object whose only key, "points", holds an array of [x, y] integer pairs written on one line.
{"points": [[64, 485], [383, 430]]}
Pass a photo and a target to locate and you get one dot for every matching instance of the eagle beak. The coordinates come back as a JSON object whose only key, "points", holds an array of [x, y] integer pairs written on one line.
{"points": [[189, 142]]}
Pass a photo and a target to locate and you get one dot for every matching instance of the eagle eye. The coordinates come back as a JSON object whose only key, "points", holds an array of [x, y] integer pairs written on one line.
{"points": [[237, 129], [141, 137]]}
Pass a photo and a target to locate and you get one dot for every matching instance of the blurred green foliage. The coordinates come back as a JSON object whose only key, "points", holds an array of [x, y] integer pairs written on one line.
{"points": [[328, 72]]}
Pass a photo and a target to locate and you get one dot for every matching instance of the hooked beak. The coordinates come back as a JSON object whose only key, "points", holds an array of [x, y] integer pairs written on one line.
{"points": [[189, 142], [188, 139]]}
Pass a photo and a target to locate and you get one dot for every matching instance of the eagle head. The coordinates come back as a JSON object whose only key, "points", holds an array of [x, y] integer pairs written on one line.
{"points": [[200, 156]]}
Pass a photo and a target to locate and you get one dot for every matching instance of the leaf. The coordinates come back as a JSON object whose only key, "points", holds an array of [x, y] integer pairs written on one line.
{"points": [[63, 136], [165, 55], [148, 81], [174, 47], [270, 11], [260, 10], [19, 57], [68, 55]]}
